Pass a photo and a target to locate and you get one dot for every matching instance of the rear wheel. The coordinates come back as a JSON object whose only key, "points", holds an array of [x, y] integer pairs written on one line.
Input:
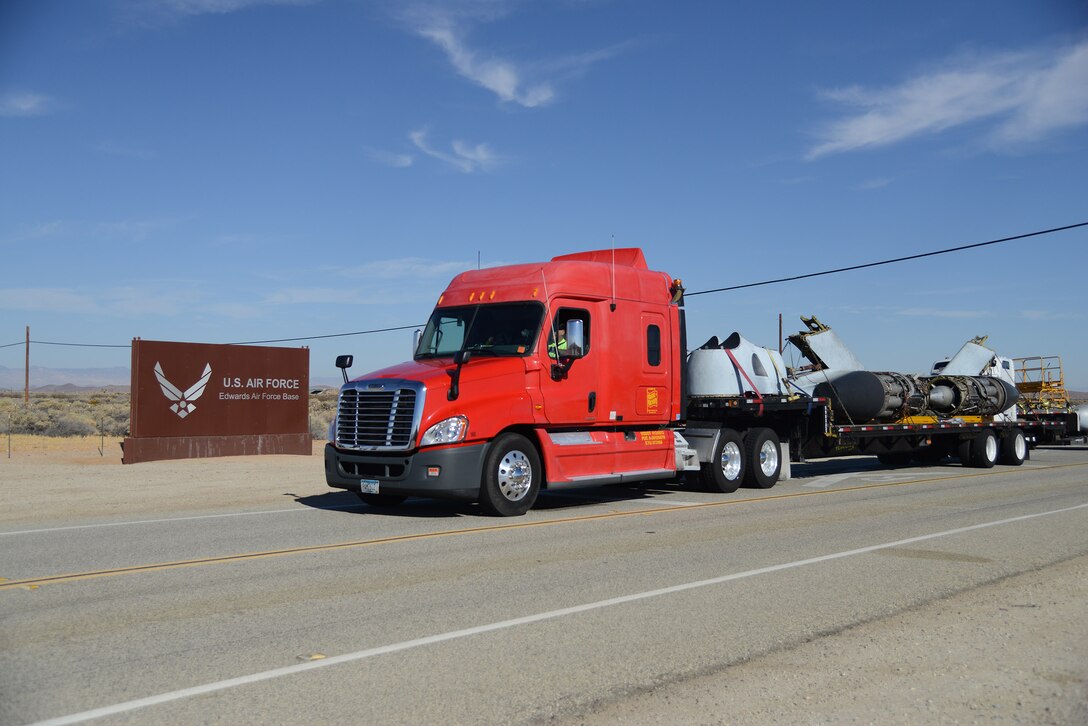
{"points": [[381, 500], [725, 471], [512, 476], [1014, 447], [763, 457], [980, 451]]}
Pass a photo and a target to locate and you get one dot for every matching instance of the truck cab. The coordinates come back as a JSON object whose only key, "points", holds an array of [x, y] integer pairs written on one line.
{"points": [[526, 377]]}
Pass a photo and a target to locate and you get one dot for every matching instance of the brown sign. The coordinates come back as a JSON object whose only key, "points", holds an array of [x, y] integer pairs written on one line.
{"points": [[196, 399]]}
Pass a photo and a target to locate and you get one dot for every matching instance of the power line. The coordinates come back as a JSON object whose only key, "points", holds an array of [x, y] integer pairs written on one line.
{"points": [[331, 335], [79, 345], [689, 294], [888, 262]]}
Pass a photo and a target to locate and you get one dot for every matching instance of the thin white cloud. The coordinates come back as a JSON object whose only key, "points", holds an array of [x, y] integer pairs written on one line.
{"points": [[156, 13], [1023, 96], [1054, 99], [116, 301], [497, 75], [409, 269], [26, 104], [871, 184], [219, 7], [46, 299], [392, 295], [44, 230], [1050, 315], [466, 157], [529, 84], [387, 158], [944, 313], [124, 230]]}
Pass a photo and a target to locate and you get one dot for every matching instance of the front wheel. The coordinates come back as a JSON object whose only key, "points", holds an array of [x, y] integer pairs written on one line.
{"points": [[512, 476], [763, 457]]}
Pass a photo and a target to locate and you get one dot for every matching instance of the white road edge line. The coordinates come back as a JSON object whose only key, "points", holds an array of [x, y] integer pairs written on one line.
{"points": [[177, 519], [506, 624]]}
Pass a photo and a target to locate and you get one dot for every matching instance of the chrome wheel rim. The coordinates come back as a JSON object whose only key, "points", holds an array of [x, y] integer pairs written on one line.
{"points": [[730, 461], [768, 458], [515, 475]]}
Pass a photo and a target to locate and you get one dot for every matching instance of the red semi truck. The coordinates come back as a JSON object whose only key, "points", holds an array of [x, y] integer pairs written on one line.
{"points": [[573, 372]]}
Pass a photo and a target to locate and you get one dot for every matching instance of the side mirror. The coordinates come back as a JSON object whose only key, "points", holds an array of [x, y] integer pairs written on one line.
{"points": [[575, 340], [459, 358], [417, 336], [343, 362]]}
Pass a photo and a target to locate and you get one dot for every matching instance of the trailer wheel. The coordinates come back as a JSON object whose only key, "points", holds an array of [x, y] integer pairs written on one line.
{"points": [[381, 500], [725, 471], [1014, 447], [963, 451], [981, 450], [511, 477], [764, 458]]}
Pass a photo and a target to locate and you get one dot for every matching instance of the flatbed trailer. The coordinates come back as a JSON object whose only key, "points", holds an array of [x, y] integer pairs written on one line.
{"points": [[807, 425]]}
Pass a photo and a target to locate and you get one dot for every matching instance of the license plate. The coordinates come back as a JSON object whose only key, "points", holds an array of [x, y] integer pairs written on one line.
{"points": [[368, 486]]}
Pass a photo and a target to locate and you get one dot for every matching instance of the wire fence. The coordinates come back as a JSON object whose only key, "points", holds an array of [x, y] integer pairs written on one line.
{"points": [[100, 417]]}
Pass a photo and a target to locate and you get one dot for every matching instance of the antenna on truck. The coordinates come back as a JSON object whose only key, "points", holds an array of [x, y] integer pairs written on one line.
{"points": [[612, 306], [547, 302]]}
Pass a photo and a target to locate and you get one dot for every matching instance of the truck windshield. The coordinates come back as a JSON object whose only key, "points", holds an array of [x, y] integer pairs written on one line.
{"points": [[496, 329]]}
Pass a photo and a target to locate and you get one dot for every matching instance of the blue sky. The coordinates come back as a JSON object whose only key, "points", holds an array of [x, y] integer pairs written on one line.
{"points": [[237, 170]]}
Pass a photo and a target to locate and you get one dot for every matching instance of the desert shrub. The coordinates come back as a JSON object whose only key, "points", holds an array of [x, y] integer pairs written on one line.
{"points": [[322, 411], [68, 424], [66, 414], [107, 413]]}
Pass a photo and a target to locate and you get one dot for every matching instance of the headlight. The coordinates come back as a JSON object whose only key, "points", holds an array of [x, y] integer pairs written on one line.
{"points": [[449, 431]]}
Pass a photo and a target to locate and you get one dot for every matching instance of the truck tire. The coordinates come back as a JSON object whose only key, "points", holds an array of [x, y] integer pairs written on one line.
{"points": [[763, 457], [1014, 447], [963, 451], [511, 477], [725, 471], [381, 500], [982, 450]]}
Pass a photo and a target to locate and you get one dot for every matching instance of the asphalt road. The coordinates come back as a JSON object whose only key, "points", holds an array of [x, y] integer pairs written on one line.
{"points": [[661, 605]]}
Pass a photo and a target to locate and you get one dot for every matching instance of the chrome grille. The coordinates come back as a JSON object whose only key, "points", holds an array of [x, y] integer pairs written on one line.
{"points": [[378, 416]]}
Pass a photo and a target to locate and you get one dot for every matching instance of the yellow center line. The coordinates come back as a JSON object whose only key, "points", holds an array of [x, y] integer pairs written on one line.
{"points": [[35, 582]]}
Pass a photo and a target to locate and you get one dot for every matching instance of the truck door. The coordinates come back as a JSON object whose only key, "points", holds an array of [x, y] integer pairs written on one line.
{"points": [[570, 396]]}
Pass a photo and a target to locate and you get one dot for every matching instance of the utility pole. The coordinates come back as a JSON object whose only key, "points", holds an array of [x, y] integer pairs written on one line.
{"points": [[26, 389]]}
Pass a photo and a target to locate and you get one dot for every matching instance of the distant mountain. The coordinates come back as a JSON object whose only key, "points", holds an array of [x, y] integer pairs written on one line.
{"points": [[14, 379]]}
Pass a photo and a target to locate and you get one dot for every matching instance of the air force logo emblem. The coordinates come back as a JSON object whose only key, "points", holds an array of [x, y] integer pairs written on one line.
{"points": [[183, 400]]}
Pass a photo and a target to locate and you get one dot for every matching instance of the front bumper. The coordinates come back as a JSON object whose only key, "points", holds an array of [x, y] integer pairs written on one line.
{"points": [[459, 470]]}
